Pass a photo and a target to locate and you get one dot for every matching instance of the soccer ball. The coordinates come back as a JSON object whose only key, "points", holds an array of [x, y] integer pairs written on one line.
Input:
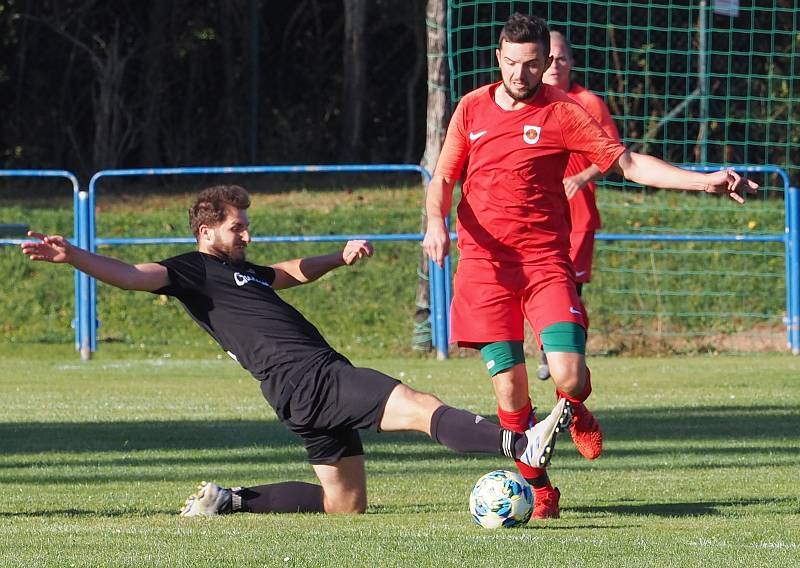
{"points": [[501, 499]]}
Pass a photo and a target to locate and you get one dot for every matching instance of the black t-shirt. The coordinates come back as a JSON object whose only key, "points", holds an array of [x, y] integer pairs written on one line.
{"points": [[237, 306]]}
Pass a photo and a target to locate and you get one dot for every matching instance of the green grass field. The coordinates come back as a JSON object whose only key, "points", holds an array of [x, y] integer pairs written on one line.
{"points": [[700, 468]]}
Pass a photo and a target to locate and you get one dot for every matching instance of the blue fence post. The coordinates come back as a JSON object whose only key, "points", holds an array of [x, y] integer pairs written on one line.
{"points": [[76, 280], [793, 284], [438, 313], [84, 282], [448, 295], [433, 306], [787, 235]]}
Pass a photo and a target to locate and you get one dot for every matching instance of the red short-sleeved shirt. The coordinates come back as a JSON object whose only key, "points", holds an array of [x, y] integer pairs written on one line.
{"points": [[513, 206], [583, 206]]}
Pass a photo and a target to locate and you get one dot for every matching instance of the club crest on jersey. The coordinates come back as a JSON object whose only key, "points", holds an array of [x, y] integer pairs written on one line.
{"points": [[531, 134]]}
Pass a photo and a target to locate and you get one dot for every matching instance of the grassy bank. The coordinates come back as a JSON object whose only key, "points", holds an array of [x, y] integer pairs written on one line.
{"points": [[646, 296]]}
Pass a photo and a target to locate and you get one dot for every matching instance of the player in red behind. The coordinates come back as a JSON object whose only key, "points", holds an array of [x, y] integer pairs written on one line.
{"points": [[510, 142], [580, 173]]}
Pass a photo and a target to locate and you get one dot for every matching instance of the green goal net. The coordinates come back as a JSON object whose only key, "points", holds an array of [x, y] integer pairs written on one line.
{"points": [[694, 82]]}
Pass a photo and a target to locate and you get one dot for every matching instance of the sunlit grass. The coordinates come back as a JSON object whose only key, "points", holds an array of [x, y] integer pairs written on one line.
{"points": [[700, 468]]}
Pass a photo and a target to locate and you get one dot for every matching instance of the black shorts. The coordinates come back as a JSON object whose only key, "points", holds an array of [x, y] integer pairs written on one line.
{"points": [[329, 404]]}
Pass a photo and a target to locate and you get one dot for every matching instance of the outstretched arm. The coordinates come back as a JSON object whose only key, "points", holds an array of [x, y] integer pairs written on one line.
{"points": [[304, 270], [58, 250], [651, 171]]}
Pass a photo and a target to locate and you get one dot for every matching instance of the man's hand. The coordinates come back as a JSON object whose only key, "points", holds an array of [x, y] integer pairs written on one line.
{"points": [[356, 250], [731, 183], [436, 243], [573, 185], [52, 248]]}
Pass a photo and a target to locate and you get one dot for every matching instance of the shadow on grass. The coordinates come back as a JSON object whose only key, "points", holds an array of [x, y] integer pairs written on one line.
{"points": [[709, 423], [682, 509], [702, 423], [75, 513]]}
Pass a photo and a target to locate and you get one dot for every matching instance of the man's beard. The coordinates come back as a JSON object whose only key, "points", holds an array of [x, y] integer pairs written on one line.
{"points": [[232, 256], [522, 95]]}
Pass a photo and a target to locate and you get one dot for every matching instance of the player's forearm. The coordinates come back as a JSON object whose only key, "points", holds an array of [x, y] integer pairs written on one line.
{"points": [[590, 174], [111, 270], [439, 200], [650, 171], [309, 269]]}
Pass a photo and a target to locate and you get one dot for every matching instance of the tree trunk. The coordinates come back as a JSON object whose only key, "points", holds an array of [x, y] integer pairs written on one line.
{"points": [[438, 115], [354, 49], [115, 131], [154, 83]]}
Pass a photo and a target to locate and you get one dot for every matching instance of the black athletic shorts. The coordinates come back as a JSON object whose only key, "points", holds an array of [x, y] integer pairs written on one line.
{"points": [[329, 404]]}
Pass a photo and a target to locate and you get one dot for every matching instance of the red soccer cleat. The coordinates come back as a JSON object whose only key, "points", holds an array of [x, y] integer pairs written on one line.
{"points": [[546, 503], [586, 432]]}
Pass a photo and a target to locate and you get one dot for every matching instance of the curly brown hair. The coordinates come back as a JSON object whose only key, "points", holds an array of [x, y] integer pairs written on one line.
{"points": [[209, 207]]}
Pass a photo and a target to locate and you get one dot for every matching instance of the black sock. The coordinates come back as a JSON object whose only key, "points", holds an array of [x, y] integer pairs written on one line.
{"points": [[286, 497], [465, 432]]}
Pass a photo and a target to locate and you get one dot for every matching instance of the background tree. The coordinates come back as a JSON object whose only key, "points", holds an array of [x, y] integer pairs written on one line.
{"points": [[437, 117]]}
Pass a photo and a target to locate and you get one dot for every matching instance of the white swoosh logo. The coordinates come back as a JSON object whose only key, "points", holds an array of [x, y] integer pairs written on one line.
{"points": [[475, 135], [574, 311], [580, 273]]}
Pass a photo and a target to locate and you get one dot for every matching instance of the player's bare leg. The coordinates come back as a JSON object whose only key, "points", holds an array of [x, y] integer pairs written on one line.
{"points": [[344, 485], [573, 382], [407, 409]]}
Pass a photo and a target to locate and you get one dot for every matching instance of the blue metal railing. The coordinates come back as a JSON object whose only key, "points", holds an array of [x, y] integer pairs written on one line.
{"points": [[89, 310], [76, 228], [790, 238], [85, 322]]}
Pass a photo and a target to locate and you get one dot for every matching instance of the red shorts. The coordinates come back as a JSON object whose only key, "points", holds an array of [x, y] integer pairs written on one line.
{"points": [[492, 299], [581, 250]]}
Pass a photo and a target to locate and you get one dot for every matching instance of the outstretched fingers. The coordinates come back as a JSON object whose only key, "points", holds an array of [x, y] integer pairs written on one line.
{"points": [[50, 248], [35, 235], [739, 187]]}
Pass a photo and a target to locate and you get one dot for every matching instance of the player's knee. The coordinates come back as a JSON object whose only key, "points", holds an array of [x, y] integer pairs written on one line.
{"points": [[346, 508], [567, 379], [568, 372], [417, 401], [346, 504], [408, 409]]}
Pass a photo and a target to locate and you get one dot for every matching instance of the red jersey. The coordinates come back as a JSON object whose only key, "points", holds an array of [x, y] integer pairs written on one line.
{"points": [[583, 206], [513, 206]]}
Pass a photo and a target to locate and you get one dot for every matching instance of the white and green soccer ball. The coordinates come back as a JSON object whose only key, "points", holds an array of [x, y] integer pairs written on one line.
{"points": [[501, 499]]}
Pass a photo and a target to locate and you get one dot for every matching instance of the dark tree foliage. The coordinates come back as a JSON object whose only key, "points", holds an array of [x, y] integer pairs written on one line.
{"points": [[88, 84]]}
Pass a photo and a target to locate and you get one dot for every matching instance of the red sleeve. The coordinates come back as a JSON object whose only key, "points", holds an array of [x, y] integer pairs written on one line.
{"points": [[454, 150], [584, 135], [599, 111]]}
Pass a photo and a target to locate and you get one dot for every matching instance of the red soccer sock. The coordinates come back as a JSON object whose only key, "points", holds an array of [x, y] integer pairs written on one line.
{"points": [[519, 421]]}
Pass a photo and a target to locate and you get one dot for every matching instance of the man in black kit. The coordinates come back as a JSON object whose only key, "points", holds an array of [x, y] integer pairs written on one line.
{"points": [[316, 392]]}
